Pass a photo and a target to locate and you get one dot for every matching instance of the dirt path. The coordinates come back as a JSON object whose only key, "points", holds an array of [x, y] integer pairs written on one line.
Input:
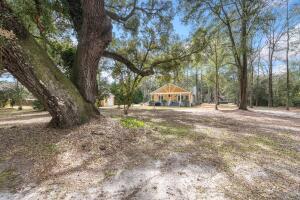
{"points": [[178, 154]]}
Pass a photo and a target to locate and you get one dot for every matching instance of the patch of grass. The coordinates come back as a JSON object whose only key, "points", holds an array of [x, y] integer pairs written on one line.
{"points": [[110, 173], [51, 148], [8, 179], [266, 141], [176, 131], [115, 117], [2, 159], [130, 122], [274, 145], [165, 128]]}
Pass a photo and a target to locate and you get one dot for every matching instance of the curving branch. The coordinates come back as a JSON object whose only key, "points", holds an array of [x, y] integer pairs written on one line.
{"points": [[129, 64], [118, 18], [177, 58], [150, 70]]}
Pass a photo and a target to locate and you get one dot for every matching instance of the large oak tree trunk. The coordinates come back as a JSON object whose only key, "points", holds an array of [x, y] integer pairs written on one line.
{"points": [[94, 34], [31, 65]]}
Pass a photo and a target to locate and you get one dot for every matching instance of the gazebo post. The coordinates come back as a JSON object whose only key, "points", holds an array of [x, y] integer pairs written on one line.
{"points": [[179, 99]]}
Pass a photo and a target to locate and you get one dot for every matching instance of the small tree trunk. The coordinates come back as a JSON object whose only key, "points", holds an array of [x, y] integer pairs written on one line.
{"points": [[287, 59], [270, 81], [197, 87], [19, 91], [251, 86], [217, 89], [257, 81], [243, 91], [217, 77], [208, 95], [243, 68], [126, 109], [237, 96], [127, 105], [31, 65], [201, 88]]}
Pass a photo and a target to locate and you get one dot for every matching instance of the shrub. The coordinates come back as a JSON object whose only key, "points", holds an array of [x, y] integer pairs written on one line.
{"points": [[37, 105], [164, 102], [130, 122], [296, 101], [151, 103]]}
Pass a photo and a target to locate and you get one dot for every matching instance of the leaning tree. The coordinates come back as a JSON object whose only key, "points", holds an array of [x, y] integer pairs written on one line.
{"points": [[70, 102]]}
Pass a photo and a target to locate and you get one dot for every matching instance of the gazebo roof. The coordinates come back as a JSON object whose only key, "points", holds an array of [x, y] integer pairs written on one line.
{"points": [[170, 89]]}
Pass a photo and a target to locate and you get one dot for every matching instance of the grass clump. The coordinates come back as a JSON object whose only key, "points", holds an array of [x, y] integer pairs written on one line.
{"points": [[51, 148], [8, 179], [110, 173], [2, 159], [130, 122], [170, 129], [176, 131]]}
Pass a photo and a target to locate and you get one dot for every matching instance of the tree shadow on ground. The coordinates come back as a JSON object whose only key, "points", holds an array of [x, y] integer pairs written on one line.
{"points": [[216, 154], [228, 138]]}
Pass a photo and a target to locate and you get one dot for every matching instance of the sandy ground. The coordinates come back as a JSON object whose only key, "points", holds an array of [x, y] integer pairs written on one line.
{"points": [[180, 153]]}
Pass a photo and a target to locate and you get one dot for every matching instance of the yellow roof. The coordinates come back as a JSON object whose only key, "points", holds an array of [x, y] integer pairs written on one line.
{"points": [[170, 89]]}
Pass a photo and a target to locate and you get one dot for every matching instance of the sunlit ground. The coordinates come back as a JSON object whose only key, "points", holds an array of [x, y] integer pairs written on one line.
{"points": [[154, 153]]}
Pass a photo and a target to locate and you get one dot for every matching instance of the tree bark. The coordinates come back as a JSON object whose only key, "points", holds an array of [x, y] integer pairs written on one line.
{"points": [[19, 94], [251, 85], [287, 58], [257, 81], [216, 77], [243, 68], [208, 95], [197, 87], [201, 87], [270, 81], [94, 35], [217, 89], [31, 65]]}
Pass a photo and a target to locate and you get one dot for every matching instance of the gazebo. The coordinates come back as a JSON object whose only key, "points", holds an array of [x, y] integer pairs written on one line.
{"points": [[172, 95]]}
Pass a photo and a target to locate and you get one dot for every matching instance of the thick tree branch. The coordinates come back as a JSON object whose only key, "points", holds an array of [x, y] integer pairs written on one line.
{"points": [[75, 11], [128, 64], [177, 58], [118, 18]]}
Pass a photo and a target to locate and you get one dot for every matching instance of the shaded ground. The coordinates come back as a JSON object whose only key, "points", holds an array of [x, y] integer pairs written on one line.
{"points": [[177, 153]]}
